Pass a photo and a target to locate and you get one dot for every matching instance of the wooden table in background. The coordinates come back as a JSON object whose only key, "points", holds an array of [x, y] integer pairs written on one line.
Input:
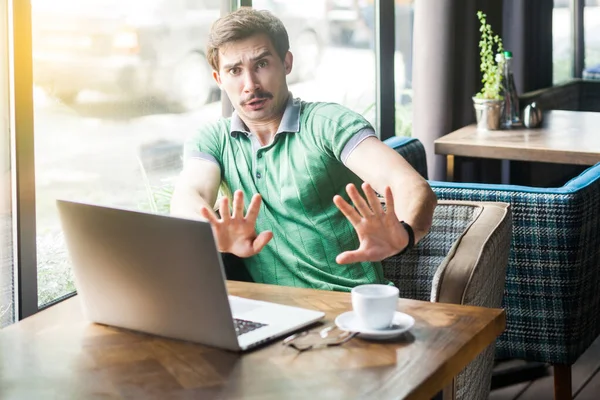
{"points": [[56, 354], [565, 137]]}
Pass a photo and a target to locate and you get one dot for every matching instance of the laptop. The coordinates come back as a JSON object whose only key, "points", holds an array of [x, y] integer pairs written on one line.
{"points": [[163, 275]]}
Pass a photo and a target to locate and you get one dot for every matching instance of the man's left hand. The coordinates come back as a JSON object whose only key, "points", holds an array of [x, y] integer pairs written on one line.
{"points": [[380, 233]]}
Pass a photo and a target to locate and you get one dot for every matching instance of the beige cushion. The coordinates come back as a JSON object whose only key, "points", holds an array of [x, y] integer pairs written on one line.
{"points": [[462, 260]]}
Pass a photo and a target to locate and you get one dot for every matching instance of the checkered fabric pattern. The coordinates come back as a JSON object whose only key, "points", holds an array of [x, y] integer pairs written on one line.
{"points": [[576, 95], [412, 150], [413, 273], [485, 289], [551, 296], [417, 274]]}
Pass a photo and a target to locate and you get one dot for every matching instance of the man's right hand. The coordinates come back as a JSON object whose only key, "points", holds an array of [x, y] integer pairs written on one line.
{"points": [[236, 233]]}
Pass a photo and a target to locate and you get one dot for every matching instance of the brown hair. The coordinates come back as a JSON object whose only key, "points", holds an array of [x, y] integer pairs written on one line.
{"points": [[241, 24]]}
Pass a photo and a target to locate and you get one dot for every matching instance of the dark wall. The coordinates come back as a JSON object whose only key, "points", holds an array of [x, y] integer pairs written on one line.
{"points": [[527, 32]]}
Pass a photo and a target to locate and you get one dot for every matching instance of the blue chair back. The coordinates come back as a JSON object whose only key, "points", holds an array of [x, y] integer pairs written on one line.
{"points": [[551, 296]]}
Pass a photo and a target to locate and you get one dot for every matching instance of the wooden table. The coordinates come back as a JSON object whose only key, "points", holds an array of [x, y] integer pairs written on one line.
{"points": [[565, 137], [56, 354]]}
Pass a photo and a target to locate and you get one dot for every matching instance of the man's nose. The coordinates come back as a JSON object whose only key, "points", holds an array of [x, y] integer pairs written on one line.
{"points": [[250, 82]]}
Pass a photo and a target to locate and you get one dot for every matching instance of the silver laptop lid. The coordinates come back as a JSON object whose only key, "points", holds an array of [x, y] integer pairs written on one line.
{"points": [[143, 272]]}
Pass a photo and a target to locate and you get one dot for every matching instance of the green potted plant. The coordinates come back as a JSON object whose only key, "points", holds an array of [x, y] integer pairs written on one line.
{"points": [[489, 102]]}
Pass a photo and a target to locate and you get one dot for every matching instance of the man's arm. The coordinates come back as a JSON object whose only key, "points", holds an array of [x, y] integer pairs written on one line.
{"points": [[197, 187], [194, 197], [381, 166]]}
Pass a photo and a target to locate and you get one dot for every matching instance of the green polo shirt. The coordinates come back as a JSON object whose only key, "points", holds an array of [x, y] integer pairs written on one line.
{"points": [[297, 176]]}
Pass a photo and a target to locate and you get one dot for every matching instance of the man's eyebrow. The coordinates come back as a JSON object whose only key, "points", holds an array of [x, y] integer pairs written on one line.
{"points": [[264, 54], [231, 66]]}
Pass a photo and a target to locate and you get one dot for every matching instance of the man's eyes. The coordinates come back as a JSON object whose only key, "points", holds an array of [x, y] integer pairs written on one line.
{"points": [[236, 71]]}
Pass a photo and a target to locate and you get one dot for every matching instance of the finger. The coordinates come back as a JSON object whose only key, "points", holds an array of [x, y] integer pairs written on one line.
{"points": [[261, 241], [359, 203], [373, 200], [209, 215], [346, 209], [389, 201], [253, 208], [238, 204], [351, 257], [224, 209]]}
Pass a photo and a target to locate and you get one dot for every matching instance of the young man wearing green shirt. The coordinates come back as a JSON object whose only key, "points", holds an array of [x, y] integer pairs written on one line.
{"points": [[290, 169]]}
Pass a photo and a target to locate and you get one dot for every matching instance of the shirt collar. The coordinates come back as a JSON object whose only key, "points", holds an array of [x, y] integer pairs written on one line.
{"points": [[290, 122]]}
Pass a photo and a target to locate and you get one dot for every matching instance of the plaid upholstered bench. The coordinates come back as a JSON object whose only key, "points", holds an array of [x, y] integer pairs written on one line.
{"points": [[575, 95], [462, 260], [551, 297]]}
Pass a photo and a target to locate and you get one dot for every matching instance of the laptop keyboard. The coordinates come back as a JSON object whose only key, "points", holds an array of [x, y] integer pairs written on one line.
{"points": [[242, 326]]}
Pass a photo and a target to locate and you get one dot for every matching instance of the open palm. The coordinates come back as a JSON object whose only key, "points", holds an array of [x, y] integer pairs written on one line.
{"points": [[236, 233], [380, 233]]}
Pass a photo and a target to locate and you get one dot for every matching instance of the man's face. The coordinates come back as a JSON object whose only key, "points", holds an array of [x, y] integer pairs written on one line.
{"points": [[253, 76]]}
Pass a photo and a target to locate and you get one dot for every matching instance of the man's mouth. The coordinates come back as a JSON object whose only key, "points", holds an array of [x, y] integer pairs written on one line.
{"points": [[256, 104], [257, 100]]}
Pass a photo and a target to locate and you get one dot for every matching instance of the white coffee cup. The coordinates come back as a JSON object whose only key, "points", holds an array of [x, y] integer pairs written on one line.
{"points": [[374, 305]]}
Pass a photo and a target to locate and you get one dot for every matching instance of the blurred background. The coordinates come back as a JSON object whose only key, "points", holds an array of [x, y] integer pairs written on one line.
{"points": [[120, 84]]}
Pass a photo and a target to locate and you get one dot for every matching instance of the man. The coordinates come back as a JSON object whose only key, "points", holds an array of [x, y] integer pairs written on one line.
{"points": [[294, 165]]}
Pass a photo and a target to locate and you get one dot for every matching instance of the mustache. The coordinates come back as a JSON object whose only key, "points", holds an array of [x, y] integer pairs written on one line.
{"points": [[256, 96]]}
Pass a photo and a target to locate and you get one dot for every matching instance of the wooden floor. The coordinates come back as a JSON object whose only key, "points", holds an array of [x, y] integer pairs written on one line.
{"points": [[586, 381]]}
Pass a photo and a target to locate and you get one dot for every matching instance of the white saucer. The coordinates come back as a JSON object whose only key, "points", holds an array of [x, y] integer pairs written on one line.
{"points": [[400, 324]]}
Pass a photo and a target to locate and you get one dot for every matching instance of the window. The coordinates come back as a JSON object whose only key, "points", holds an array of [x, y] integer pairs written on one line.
{"points": [[117, 88], [203, 4], [591, 18], [333, 55], [564, 53], [7, 282], [119, 85], [404, 18], [562, 43]]}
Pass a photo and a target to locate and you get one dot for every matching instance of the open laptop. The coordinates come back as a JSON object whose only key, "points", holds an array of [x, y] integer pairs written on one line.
{"points": [[163, 275]]}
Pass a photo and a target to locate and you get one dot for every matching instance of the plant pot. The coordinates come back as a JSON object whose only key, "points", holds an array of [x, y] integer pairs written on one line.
{"points": [[488, 113]]}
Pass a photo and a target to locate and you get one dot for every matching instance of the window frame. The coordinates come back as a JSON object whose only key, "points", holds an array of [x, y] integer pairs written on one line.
{"points": [[7, 158], [577, 8], [23, 163], [23, 135]]}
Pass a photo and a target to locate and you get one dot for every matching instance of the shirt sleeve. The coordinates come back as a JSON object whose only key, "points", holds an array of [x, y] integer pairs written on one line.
{"points": [[339, 130], [355, 141], [207, 143]]}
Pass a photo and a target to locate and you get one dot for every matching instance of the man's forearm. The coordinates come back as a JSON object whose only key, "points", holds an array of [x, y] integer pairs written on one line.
{"points": [[415, 205], [380, 166], [187, 203]]}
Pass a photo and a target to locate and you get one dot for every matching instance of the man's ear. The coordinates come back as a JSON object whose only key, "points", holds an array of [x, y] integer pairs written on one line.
{"points": [[217, 78], [288, 62]]}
